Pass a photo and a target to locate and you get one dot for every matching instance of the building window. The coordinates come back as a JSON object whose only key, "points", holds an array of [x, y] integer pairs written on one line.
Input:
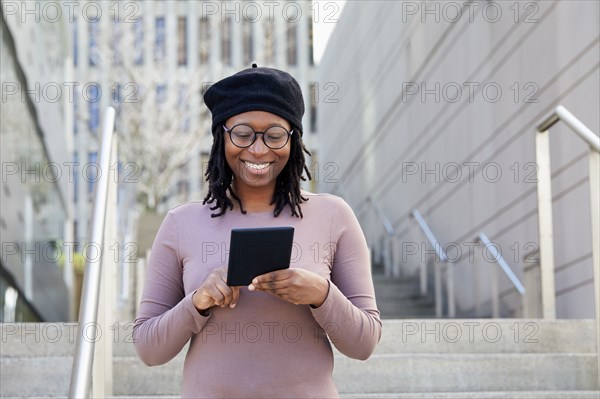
{"points": [[311, 36], [116, 90], [93, 98], [75, 236], [75, 177], [91, 171], [75, 41], [138, 38], [203, 39], [161, 94], [269, 43], [182, 41], [248, 35], [183, 189], [182, 105], [226, 28], [75, 97], [94, 50], [314, 93], [159, 39], [117, 38], [292, 33]]}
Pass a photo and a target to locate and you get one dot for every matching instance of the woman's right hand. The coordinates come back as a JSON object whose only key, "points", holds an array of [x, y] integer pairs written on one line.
{"points": [[214, 291]]}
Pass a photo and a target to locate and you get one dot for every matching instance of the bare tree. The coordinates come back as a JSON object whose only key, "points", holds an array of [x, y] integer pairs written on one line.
{"points": [[159, 122]]}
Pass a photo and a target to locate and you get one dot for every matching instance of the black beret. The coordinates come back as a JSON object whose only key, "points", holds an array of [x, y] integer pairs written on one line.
{"points": [[256, 89]]}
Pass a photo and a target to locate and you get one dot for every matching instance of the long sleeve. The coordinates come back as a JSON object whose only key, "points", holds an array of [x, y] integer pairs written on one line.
{"points": [[167, 318], [349, 314]]}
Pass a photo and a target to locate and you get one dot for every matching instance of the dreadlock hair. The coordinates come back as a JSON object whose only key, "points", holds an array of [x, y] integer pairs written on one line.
{"points": [[287, 186]]}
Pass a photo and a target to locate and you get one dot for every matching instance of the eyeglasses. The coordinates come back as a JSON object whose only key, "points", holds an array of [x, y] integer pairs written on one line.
{"points": [[243, 136]]}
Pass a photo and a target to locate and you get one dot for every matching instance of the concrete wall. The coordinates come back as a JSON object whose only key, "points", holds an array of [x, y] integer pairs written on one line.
{"points": [[435, 107]]}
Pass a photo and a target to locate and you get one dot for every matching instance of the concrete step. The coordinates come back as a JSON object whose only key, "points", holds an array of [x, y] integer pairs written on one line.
{"points": [[470, 372], [401, 298], [480, 395], [444, 395], [419, 356], [418, 373], [398, 336], [462, 336], [35, 377]]}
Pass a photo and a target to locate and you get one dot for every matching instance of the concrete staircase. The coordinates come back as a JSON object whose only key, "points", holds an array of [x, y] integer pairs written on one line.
{"points": [[401, 298], [416, 358]]}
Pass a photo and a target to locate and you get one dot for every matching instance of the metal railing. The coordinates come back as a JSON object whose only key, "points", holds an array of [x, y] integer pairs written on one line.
{"points": [[498, 259], [437, 271], [89, 333], [544, 195], [389, 244]]}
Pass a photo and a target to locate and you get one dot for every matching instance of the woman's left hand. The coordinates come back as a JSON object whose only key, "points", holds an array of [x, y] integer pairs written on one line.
{"points": [[298, 286]]}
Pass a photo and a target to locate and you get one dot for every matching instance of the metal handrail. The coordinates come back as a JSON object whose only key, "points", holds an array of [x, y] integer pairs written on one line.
{"points": [[544, 193], [562, 114], [389, 244], [81, 374], [437, 271], [483, 238], [502, 263], [429, 234], [389, 228]]}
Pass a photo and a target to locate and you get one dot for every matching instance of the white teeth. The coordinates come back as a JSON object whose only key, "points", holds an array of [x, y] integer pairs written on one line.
{"points": [[257, 166]]}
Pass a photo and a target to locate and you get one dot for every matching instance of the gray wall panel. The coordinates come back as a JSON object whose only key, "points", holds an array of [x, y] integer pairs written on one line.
{"points": [[373, 132]]}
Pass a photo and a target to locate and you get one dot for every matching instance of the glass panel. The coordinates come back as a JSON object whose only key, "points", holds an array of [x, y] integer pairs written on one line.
{"points": [[182, 41]]}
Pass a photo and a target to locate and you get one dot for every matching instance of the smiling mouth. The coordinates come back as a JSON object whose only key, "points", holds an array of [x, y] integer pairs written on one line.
{"points": [[257, 166]]}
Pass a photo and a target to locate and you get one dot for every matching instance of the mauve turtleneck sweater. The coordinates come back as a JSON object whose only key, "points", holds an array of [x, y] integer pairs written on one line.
{"points": [[265, 347]]}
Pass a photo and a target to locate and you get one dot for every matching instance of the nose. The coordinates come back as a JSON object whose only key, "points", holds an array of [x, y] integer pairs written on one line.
{"points": [[258, 147]]}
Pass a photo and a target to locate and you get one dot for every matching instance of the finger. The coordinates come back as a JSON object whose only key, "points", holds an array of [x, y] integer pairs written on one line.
{"points": [[269, 281], [216, 295], [235, 294], [225, 290], [270, 285], [275, 275]]}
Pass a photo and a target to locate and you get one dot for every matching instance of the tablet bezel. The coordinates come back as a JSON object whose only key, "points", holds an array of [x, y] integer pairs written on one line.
{"points": [[258, 250]]}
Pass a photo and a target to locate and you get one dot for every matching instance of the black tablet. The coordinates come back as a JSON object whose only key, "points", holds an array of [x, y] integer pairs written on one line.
{"points": [[256, 251]]}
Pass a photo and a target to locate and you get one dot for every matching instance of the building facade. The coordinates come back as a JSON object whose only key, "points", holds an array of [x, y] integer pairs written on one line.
{"points": [[36, 214], [152, 61], [436, 111]]}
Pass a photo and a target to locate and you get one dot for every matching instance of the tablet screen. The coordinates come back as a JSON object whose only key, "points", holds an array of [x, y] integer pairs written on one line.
{"points": [[256, 251]]}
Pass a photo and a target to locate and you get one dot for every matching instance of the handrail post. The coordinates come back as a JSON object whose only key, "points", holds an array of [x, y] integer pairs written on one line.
{"points": [[388, 244], [450, 285], [437, 269], [544, 197], [437, 281], [102, 370], [81, 374], [542, 149], [495, 294], [423, 277], [595, 213], [500, 262]]}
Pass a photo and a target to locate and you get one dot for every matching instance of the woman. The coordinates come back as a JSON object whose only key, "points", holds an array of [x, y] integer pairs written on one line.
{"points": [[272, 338]]}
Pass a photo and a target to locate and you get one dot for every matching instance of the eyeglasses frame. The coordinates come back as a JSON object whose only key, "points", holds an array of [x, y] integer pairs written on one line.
{"points": [[255, 136]]}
